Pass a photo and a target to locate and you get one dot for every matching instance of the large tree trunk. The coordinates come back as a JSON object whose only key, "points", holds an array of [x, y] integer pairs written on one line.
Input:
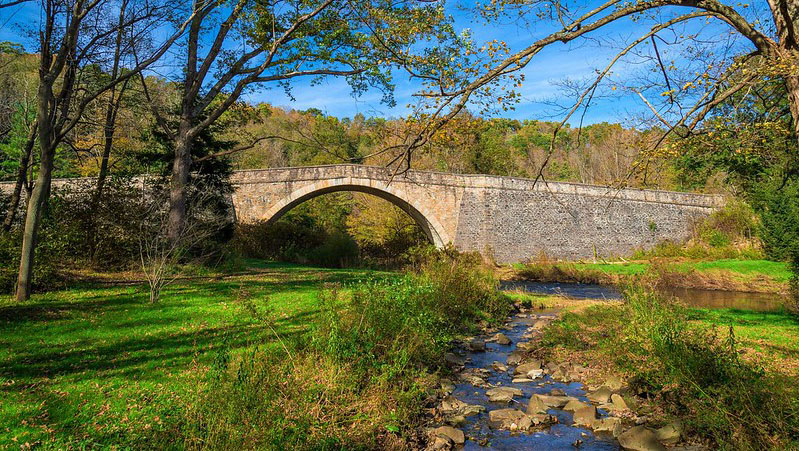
{"points": [[22, 171], [36, 204], [181, 167], [793, 99]]}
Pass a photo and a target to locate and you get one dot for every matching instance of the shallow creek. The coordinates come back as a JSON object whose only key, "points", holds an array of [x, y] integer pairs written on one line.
{"points": [[478, 430]]}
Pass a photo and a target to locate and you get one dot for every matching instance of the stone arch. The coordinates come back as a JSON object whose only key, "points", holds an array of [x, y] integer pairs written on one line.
{"points": [[423, 217]]}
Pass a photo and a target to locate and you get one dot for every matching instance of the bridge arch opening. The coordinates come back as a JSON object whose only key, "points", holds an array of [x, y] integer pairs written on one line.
{"points": [[426, 221]]}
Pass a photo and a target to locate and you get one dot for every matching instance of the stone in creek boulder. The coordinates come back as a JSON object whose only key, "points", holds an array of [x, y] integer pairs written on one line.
{"points": [[618, 402], [573, 405], [449, 432], [535, 373], [608, 424], [600, 396], [451, 404], [585, 416], [440, 443], [498, 366], [540, 324], [614, 383], [447, 386], [502, 339], [477, 345], [528, 366], [514, 358], [525, 345], [521, 380], [456, 420], [670, 433], [511, 419], [536, 406], [453, 359], [502, 394], [557, 392], [640, 438], [553, 401]]}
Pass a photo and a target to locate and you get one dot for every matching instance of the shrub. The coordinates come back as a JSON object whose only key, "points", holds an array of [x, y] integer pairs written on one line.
{"points": [[411, 320]]}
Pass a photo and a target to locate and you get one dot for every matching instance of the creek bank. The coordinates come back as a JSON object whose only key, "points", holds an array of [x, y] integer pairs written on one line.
{"points": [[670, 275], [502, 395]]}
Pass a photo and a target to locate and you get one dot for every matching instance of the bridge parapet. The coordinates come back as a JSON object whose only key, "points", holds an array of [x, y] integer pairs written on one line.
{"points": [[323, 172]]}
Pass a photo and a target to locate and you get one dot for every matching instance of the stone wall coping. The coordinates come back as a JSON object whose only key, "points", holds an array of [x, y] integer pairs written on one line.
{"points": [[291, 174]]}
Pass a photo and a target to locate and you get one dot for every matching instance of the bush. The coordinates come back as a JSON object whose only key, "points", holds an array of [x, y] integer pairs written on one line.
{"points": [[411, 320]]}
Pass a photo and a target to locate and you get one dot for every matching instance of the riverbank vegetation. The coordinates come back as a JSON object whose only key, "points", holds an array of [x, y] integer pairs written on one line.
{"points": [[729, 377], [282, 356], [725, 251]]}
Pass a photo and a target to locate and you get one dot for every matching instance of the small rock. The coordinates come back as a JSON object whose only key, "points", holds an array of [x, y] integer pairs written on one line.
{"points": [[451, 404], [477, 345], [640, 438], [585, 416], [557, 392], [553, 401], [614, 383], [449, 432], [514, 358], [601, 396], [440, 443], [573, 405], [498, 366], [670, 433], [447, 386], [535, 373], [521, 380], [536, 406], [525, 345], [502, 339], [506, 418], [577, 443], [540, 324], [456, 420], [608, 424], [502, 394], [618, 402], [453, 359], [528, 366]]}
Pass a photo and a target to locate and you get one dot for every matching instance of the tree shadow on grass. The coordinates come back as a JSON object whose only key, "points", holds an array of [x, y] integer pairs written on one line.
{"points": [[129, 357]]}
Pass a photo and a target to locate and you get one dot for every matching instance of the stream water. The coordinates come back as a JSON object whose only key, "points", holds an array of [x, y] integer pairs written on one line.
{"points": [[560, 435], [690, 296]]}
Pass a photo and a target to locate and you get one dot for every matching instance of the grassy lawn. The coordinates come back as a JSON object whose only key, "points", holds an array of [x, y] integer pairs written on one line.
{"points": [[770, 338], [96, 365]]}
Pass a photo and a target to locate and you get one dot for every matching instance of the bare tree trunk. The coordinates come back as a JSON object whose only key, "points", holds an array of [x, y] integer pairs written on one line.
{"points": [[38, 199], [181, 168], [22, 172], [793, 100]]}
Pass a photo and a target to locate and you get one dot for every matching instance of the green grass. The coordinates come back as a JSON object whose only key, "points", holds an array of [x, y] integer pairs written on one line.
{"points": [[779, 271], [91, 366], [773, 336]]}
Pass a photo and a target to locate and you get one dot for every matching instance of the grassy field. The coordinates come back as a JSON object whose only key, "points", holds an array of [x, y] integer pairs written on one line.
{"points": [[96, 365]]}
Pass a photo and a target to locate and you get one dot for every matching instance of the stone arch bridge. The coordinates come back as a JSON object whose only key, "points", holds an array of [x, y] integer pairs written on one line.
{"points": [[509, 219]]}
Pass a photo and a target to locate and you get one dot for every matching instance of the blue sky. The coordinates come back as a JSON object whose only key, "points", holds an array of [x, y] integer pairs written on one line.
{"points": [[553, 65]]}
